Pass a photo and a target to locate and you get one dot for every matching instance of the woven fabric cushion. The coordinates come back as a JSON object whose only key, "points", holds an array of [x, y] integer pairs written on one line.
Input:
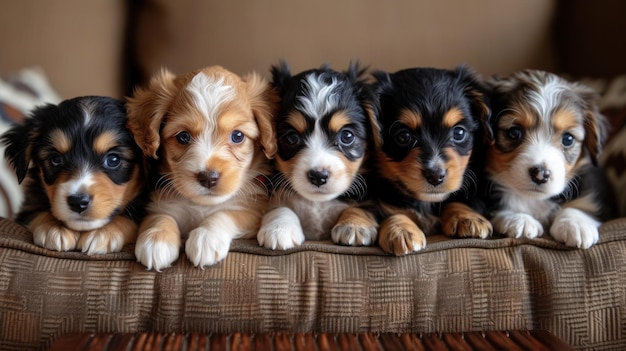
{"points": [[452, 285]]}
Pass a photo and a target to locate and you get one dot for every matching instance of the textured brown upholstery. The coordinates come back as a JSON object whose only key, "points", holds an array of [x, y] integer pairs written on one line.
{"points": [[453, 285]]}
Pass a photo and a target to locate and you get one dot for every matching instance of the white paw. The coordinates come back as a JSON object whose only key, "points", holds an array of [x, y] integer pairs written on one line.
{"points": [[98, 242], [575, 228], [517, 225], [206, 248], [55, 237], [354, 235], [157, 249], [280, 230]]}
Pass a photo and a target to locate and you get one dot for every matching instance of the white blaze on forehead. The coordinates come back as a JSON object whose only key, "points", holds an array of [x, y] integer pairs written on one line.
{"points": [[78, 184], [88, 112], [210, 93], [546, 98], [320, 98]]}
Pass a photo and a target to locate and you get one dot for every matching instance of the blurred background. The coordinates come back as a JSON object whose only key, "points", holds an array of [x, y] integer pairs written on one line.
{"points": [[106, 47]]}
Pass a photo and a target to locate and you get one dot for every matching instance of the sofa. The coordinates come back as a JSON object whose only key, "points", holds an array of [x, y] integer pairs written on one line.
{"points": [[453, 285]]}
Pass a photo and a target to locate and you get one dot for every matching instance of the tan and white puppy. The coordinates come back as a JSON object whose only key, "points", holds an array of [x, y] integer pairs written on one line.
{"points": [[211, 133], [547, 137]]}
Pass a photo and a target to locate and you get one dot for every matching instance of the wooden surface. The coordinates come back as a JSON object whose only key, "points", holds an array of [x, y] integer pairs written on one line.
{"points": [[492, 340]]}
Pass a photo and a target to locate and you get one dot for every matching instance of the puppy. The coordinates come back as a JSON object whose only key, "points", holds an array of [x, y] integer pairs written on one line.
{"points": [[207, 132], [431, 119], [82, 175], [325, 125], [547, 137]]}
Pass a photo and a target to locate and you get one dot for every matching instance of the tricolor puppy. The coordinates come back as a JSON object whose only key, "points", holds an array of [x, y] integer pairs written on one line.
{"points": [[548, 135], [82, 175], [325, 125], [208, 131], [431, 120]]}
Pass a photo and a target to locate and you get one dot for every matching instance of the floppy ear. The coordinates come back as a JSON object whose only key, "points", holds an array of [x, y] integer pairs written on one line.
{"points": [[367, 100], [264, 103], [596, 125], [280, 75], [476, 92], [19, 140], [147, 108]]}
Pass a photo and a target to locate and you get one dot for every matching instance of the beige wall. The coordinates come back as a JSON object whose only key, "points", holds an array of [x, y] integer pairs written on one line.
{"points": [[76, 42], [79, 43], [494, 36]]}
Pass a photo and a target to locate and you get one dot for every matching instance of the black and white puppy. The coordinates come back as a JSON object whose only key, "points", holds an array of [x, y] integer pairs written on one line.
{"points": [[82, 173], [548, 135], [431, 121], [325, 126]]}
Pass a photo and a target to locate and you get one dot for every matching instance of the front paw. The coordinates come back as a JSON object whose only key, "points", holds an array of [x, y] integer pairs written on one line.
{"points": [[575, 228], [517, 225], [110, 238], [355, 227], [399, 235], [205, 247], [158, 244], [52, 234], [460, 220], [280, 230]]}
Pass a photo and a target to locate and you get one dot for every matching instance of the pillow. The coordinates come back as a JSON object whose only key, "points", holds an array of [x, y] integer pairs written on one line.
{"points": [[20, 92]]}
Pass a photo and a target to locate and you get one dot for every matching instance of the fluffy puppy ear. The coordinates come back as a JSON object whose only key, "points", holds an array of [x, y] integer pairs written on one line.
{"points": [[20, 138], [476, 92], [264, 103], [367, 100], [596, 125], [147, 108], [281, 73]]}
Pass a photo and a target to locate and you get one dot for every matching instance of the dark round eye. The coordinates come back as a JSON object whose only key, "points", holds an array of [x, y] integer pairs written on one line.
{"points": [[237, 137], [292, 138], [112, 161], [346, 137], [403, 138], [514, 133], [567, 140], [183, 137], [56, 160], [459, 134]]}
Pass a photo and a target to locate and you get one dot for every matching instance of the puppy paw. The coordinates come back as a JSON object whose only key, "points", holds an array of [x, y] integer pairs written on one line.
{"points": [[280, 230], [399, 235], [355, 227], [110, 238], [460, 220], [205, 247], [517, 225], [51, 234], [575, 228], [158, 244]]}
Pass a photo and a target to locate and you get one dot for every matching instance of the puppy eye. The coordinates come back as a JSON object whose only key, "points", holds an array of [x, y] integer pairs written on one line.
{"points": [[514, 133], [403, 138], [346, 137], [183, 137], [567, 140], [237, 137], [56, 160], [112, 161], [292, 138], [459, 134]]}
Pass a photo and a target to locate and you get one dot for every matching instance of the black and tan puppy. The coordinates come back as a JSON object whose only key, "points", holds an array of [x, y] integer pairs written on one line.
{"points": [[431, 120], [325, 128], [82, 175]]}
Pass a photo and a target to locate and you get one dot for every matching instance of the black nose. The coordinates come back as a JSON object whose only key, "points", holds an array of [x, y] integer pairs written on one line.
{"points": [[318, 178], [435, 176], [79, 202], [208, 179], [539, 174]]}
